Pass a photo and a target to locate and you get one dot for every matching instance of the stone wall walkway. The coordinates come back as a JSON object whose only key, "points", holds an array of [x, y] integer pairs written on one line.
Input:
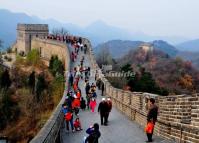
{"points": [[120, 128]]}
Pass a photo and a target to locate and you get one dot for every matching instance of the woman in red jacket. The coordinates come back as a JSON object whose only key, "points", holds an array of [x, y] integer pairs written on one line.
{"points": [[92, 105], [76, 105]]}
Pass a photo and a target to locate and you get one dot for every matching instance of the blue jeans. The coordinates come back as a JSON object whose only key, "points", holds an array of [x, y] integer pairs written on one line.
{"points": [[71, 124]]}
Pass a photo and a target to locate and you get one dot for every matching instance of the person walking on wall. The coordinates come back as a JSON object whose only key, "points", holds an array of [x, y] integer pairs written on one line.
{"points": [[71, 79], [69, 119], [103, 109], [109, 105], [102, 88]]}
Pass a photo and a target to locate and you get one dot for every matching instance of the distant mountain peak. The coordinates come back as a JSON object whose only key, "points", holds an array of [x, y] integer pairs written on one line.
{"points": [[192, 46]]}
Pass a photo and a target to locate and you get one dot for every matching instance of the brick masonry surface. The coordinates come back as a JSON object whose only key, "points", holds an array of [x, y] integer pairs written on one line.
{"points": [[178, 118]]}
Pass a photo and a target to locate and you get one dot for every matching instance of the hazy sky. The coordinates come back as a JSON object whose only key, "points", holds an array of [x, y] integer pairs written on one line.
{"points": [[154, 17]]}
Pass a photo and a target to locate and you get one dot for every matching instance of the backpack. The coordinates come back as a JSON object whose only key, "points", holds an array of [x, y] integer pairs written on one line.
{"points": [[68, 116]]}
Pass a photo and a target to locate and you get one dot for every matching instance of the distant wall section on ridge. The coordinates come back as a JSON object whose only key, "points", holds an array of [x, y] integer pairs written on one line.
{"points": [[178, 117], [48, 48]]}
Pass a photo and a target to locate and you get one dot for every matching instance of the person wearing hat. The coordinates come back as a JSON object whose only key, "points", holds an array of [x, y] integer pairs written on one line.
{"points": [[103, 109]]}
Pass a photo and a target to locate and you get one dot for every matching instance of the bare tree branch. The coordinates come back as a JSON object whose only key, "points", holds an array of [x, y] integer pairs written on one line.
{"points": [[60, 31]]}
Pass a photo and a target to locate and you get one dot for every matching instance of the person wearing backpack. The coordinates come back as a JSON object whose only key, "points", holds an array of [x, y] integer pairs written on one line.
{"points": [[94, 134]]}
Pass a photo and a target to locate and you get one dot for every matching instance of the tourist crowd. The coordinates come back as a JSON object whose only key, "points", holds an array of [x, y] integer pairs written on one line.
{"points": [[74, 100]]}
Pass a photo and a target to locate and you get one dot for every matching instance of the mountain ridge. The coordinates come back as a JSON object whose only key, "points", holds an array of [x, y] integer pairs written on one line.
{"points": [[191, 46], [98, 31], [118, 48]]}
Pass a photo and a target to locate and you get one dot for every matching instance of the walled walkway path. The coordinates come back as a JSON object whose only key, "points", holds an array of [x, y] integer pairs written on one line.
{"points": [[119, 130]]}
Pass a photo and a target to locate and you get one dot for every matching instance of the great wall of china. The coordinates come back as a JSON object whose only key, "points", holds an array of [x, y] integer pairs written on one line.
{"points": [[178, 115]]}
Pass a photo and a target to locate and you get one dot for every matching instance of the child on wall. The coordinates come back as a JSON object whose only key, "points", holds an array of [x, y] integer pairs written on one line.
{"points": [[77, 125], [93, 105]]}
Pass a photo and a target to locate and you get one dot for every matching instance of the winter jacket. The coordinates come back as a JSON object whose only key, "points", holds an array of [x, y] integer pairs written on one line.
{"points": [[64, 110], [77, 124], [152, 114], [78, 95], [109, 104], [103, 108], [94, 135], [92, 104], [87, 88], [76, 103], [83, 104]]}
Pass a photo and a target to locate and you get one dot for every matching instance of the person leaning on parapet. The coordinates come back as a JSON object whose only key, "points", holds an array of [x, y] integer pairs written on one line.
{"points": [[152, 115]]}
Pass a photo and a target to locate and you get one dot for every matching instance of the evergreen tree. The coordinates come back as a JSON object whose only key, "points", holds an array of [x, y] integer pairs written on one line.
{"points": [[56, 66], [126, 68], [31, 82], [146, 83], [51, 62], [5, 80], [40, 86], [9, 110]]}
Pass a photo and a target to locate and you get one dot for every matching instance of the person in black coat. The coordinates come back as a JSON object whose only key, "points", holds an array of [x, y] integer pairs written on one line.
{"points": [[83, 103], [94, 134], [103, 110], [152, 115], [102, 88], [71, 79], [87, 88], [153, 111]]}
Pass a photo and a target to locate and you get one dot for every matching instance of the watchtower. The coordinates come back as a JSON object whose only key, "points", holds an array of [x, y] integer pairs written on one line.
{"points": [[25, 33], [146, 47]]}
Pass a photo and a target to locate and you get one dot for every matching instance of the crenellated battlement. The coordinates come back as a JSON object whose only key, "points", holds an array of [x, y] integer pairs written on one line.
{"points": [[178, 117], [33, 27]]}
